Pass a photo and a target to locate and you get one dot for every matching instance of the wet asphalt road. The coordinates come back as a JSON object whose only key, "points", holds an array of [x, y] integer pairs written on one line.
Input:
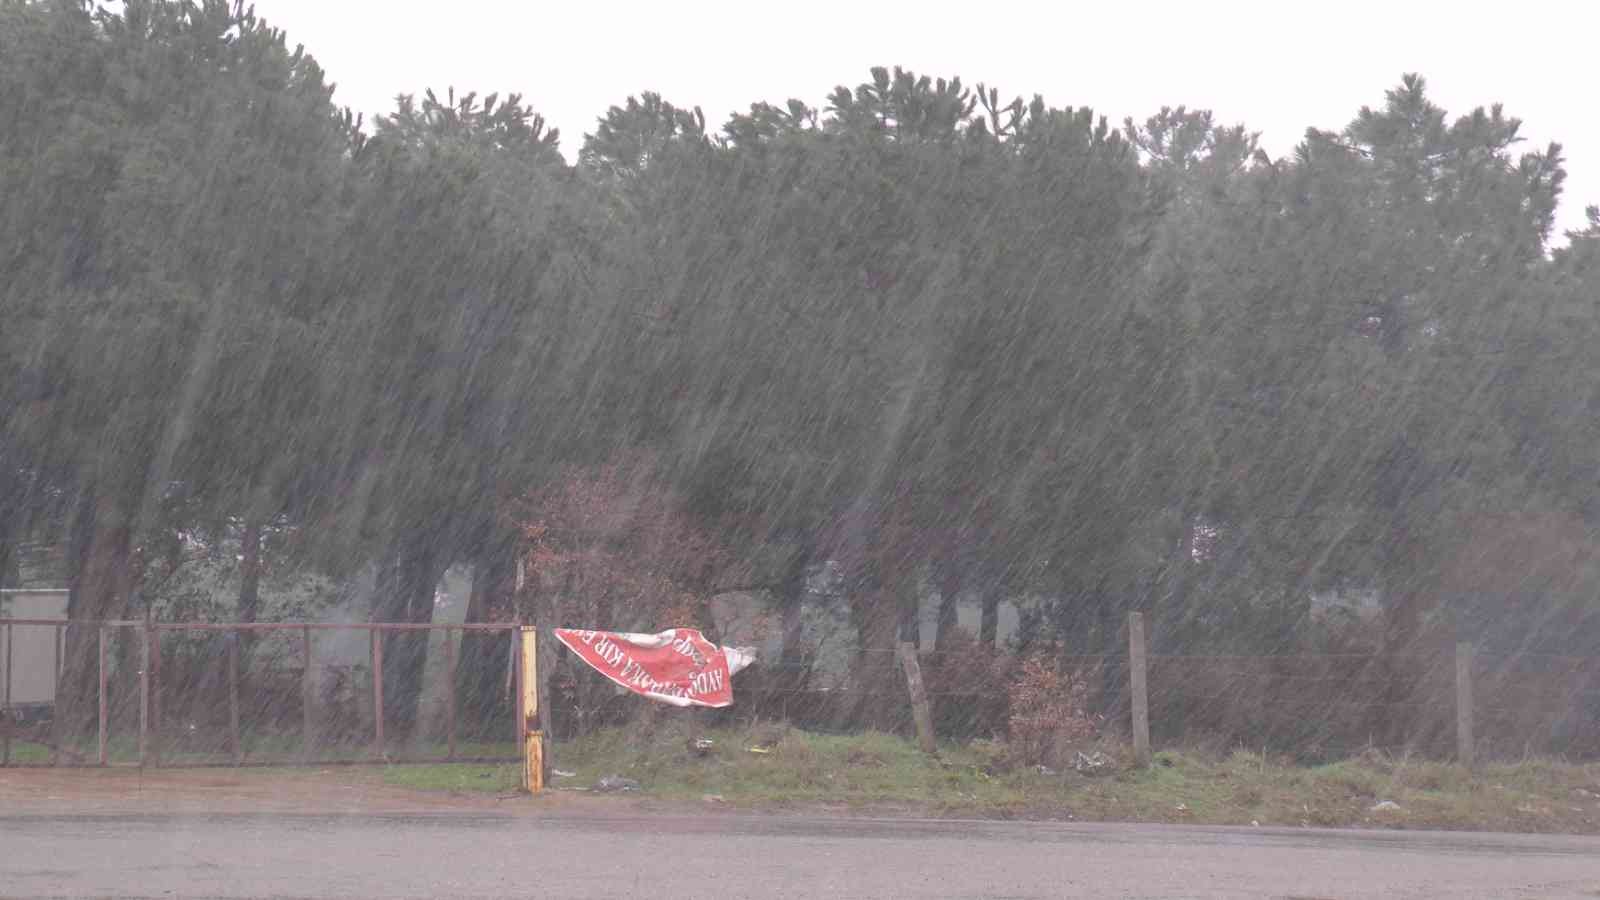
{"points": [[726, 856]]}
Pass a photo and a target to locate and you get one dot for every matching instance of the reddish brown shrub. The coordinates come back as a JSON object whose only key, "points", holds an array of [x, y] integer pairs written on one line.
{"points": [[1049, 714]]}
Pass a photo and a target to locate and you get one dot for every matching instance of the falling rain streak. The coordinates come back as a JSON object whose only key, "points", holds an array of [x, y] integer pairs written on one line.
{"points": [[923, 363]]}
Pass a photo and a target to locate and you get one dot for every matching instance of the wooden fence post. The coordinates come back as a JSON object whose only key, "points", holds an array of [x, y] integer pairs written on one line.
{"points": [[919, 698], [528, 709], [1141, 699], [1465, 748], [377, 689], [104, 708], [307, 695]]}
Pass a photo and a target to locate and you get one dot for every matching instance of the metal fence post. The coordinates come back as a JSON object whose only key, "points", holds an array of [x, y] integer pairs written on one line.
{"points": [[155, 695], [6, 759], [104, 708], [307, 694], [450, 690], [1141, 699], [377, 687], [55, 683], [1465, 747], [234, 743], [144, 694]]}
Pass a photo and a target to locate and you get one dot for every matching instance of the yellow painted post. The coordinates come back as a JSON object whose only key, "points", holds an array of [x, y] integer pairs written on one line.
{"points": [[528, 709]]}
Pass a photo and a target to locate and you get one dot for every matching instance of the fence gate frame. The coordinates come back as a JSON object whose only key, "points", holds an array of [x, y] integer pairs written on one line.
{"points": [[148, 633]]}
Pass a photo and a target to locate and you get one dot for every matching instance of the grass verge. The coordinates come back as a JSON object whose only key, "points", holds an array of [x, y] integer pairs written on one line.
{"points": [[880, 773]]}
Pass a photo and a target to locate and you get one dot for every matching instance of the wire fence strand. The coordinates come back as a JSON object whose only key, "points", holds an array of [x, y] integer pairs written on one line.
{"points": [[216, 693]]}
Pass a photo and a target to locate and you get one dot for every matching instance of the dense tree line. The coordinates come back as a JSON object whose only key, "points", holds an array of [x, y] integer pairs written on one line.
{"points": [[939, 340]]}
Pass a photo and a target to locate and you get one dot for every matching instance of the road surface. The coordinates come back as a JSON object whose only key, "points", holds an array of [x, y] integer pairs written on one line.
{"points": [[720, 857]]}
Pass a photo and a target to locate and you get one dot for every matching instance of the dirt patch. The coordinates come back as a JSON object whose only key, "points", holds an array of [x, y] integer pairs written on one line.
{"points": [[82, 791], [347, 790]]}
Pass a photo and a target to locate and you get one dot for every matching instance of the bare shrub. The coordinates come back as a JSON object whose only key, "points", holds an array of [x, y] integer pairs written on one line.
{"points": [[1050, 715]]}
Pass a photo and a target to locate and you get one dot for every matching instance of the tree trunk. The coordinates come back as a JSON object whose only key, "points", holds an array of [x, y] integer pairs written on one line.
{"points": [[875, 613], [908, 600], [1396, 722], [792, 659], [949, 609], [705, 619], [989, 621], [98, 561], [406, 596], [11, 507], [590, 688], [249, 607], [1177, 600], [480, 666], [250, 571], [545, 618], [7, 545]]}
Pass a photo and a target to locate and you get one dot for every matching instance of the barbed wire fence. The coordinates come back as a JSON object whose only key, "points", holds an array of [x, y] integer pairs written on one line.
{"points": [[231, 694]]}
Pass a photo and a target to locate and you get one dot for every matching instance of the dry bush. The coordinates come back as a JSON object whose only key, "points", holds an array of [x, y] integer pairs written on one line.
{"points": [[969, 684], [1050, 716]]}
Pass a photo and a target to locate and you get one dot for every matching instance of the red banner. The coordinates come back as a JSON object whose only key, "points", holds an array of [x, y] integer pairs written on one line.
{"points": [[677, 666]]}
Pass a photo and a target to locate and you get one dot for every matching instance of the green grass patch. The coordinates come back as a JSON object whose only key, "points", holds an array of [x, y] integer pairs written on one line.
{"points": [[881, 771], [775, 767], [29, 753]]}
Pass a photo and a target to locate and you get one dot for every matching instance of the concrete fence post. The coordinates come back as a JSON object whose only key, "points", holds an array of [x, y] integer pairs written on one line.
{"points": [[920, 711], [1141, 699]]}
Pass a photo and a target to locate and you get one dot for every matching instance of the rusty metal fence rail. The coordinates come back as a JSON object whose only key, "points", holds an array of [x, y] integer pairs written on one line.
{"points": [[231, 694], [187, 694]]}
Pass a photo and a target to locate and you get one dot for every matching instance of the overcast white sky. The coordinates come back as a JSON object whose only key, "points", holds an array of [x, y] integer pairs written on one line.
{"points": [[1276, 67]]}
